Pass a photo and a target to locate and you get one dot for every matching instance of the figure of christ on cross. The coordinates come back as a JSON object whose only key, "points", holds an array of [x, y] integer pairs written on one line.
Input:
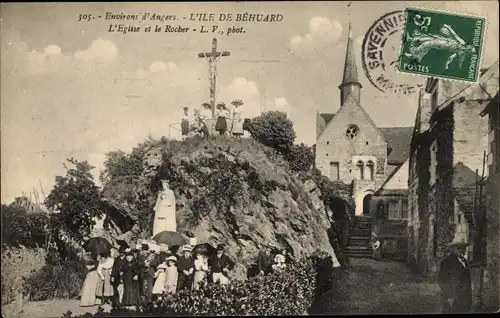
{"points": [[212, 58]]}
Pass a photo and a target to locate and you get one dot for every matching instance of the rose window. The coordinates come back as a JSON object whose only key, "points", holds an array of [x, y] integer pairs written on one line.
{"points": [[351, 131]]}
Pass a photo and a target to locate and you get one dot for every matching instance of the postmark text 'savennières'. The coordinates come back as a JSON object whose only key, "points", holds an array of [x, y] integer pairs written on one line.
{"points": [[442, 45]]}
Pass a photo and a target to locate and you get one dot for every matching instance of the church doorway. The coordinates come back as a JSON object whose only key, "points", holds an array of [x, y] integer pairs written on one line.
{"points": [[366, 204]]}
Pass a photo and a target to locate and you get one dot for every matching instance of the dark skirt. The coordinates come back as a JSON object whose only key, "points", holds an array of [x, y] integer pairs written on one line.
{"points": [[221, 124], [185, 127]]}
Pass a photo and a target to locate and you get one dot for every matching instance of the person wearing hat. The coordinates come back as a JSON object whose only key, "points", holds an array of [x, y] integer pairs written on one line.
{"points": [[220, 265], [146, 273], [237, 118], [222, 117], [171, 275], [116, 280], [206, 120], [130, 276], [200, 267], [265, 260], [185, 268], [454, 279], [185, 123]]}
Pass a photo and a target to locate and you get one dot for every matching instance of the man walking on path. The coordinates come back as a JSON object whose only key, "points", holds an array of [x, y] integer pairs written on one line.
{"points": [[454, 279]]}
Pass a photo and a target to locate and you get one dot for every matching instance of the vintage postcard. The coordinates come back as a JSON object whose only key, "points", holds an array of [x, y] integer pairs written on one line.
{"points": [[249, 158]]}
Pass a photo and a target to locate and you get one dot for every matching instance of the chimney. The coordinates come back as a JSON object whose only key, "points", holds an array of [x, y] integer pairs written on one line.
{"points": [[425, 110]]}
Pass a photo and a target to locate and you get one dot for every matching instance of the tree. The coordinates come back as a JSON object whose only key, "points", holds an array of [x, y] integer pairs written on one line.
{"points": [[273, 129], [300, 157], [77, 199]]}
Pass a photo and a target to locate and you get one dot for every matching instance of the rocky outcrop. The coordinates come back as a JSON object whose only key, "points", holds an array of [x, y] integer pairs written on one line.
{"points": [[230, 192]]}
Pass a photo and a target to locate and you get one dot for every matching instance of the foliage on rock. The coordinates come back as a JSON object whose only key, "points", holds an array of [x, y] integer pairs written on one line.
{"points": [[290, 292], [273, 129], [77, 199], [300, 158], [230, 191]]}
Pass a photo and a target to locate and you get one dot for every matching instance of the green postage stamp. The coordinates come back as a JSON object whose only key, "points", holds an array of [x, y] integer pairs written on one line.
{"points": [[442, 45]]}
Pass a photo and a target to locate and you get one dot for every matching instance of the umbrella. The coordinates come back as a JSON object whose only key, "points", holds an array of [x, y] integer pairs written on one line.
{"points": [[97, 245], [170, 238], [210, 250]]}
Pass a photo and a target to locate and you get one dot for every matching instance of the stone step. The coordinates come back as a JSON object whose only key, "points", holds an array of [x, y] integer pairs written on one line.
{"points": [[359, 241], [362, 225], [363, 218], [361, 232], [360, 256]]}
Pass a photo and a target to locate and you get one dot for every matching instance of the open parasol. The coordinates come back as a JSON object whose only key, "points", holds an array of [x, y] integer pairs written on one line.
{"points": [[97, 245], [170, 238]]}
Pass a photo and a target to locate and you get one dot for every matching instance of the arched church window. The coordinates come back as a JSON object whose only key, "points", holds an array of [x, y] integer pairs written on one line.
{"points": [[371, 170], [351, 131], [360, 166]]}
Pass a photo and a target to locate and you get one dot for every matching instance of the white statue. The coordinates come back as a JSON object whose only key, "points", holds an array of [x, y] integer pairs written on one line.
{"points": [[165, 210]]}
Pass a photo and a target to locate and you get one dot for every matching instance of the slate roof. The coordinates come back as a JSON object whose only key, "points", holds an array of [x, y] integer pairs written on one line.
{"points": [[399, 139]]}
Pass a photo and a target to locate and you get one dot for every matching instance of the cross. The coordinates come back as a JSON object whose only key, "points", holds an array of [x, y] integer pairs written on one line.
{"points": [[212, 58]]}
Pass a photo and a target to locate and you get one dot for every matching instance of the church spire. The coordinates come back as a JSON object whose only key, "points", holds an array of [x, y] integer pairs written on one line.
{"points": [[350, 84]]}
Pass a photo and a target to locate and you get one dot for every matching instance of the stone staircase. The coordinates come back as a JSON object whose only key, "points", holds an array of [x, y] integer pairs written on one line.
{"points": [[359, 238]]}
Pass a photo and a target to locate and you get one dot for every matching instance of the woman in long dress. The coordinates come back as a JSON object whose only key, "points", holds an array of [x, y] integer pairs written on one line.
{"points": [[238, 120], [222, 117], [130, 276], [375, 245], [88, 297], [104, 289], [200, 269], [171, 275], [160, 275]]}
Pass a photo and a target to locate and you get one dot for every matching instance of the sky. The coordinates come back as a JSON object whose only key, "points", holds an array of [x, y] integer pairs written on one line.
{"points": [[70, 88]]}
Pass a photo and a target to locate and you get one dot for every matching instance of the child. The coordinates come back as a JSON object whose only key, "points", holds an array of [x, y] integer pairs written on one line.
{"points": [[279, 263], [375, 245], [160, 276], [171, 275]]}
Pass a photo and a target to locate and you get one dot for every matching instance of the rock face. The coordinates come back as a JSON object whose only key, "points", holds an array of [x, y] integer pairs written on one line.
{"points": [[235, 195], [230, 192]]}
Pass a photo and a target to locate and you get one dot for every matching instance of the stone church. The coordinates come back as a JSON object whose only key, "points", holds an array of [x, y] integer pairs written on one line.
{"points": [[352, 149]]}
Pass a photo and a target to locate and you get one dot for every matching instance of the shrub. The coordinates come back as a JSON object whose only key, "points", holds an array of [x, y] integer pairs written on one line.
{"points": [[273, 129], [18, 264], [63, 280], [23, 228], [287, 293], [300, 158]]}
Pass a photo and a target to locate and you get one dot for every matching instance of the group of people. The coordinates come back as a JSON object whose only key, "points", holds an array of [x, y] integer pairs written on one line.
{"points": [[127, 277], [228, 120], [269, 261]]}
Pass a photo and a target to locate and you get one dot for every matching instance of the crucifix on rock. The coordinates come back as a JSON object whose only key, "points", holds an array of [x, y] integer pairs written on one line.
{"points": [[212, 58]]}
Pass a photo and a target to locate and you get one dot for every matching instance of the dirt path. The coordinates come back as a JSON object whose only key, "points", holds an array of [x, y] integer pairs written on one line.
{"points": [[372, 287]]}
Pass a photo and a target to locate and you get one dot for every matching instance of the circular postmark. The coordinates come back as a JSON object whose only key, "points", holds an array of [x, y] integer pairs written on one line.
{"points": [[380, 54]]}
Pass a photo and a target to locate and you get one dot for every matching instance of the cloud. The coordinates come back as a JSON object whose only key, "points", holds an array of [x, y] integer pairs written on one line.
{"points": [[52, 50], [104, 106], [158, 66], [320, 30], [100, 49]]}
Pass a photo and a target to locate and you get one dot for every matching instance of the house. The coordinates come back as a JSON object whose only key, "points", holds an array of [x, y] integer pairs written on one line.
{"points": [[350, 148], [490, 296], [446, 159]]}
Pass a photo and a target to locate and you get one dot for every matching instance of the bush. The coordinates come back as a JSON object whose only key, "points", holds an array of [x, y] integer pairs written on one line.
{"points": [[300, 158], [18, 264], [288, 293], [273, 129], [23, 228], [61, 281]]}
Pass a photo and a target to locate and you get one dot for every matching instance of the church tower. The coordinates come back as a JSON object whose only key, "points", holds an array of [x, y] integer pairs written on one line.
{"points": [[350, 84]]}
